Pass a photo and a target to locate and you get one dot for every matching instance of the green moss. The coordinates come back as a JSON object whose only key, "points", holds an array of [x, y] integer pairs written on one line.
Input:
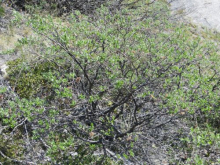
{"points": [[2, 11], [28, 78], [11, 149]]}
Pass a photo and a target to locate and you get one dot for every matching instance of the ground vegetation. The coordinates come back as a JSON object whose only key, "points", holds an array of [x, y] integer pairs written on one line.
{"points": [[124, 84]]}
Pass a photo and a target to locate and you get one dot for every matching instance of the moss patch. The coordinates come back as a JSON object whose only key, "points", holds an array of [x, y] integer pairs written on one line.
{"points": [[29, 79]]}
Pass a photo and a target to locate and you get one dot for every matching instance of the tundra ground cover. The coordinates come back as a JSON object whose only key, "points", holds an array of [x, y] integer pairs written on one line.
{"points": [[116, 87]]}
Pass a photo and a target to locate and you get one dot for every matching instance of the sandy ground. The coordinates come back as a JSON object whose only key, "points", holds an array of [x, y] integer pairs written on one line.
{"points": [[203, 12]]}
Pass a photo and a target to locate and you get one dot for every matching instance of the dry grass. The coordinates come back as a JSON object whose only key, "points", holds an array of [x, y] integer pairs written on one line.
{"points": [[8, 42]]}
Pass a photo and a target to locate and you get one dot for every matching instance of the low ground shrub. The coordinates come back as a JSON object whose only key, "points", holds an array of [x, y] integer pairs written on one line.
{"points": [[112, 87]]}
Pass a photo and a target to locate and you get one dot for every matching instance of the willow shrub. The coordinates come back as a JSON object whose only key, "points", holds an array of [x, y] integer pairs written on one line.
{"points": [[130, 72]]}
